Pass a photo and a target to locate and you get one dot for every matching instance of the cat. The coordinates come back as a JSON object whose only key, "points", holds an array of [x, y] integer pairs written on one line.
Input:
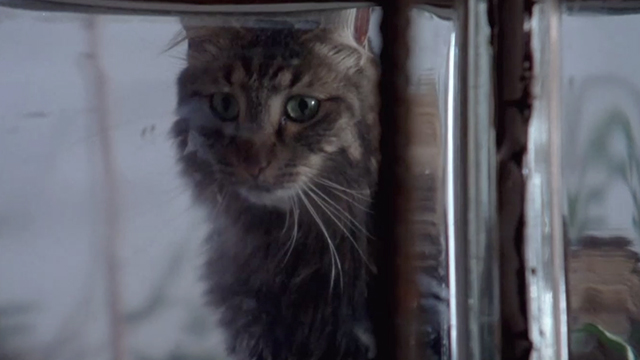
{"points": [[277, 136]]}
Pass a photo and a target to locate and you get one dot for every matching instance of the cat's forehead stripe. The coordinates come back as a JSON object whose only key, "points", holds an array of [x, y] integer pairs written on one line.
{"points": [[256, 73], [284, 78]]}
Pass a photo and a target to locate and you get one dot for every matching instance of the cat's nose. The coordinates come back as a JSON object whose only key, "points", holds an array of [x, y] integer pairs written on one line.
{"points": [[254, 157], [255, 168], [256, 162]]}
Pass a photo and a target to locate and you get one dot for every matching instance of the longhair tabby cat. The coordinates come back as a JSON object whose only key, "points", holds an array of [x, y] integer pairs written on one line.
{"points": [[278, 137]]}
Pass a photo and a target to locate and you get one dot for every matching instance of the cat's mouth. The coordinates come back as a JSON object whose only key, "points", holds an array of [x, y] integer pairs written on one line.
{"points": [[265, 194], [257, 186]]}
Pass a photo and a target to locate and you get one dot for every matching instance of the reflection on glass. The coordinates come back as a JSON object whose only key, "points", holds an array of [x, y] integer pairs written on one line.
{"points": [[601, 175], [101, 244], [429, 74]]}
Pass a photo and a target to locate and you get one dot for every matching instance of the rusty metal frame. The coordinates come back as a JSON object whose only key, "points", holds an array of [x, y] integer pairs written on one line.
{"points": [[532, 263], [394, 290], [512, 67]]}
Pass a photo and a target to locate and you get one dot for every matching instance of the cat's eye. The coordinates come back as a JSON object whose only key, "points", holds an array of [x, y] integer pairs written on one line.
{"points": [[225, 106], [302, 108]]}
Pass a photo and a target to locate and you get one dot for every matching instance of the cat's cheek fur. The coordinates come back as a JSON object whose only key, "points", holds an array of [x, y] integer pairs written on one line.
{"points": [[352, 147], [313, 163], [330, 146]]}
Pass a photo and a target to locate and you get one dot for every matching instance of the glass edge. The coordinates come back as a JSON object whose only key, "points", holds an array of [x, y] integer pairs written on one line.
{"points": [[470, 186], [599, 7], [544, 241], [443, 13], [106, 7], [484, 295]]}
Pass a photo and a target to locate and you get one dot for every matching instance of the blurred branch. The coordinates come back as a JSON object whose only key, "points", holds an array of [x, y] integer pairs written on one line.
{"points": [[598, 155], [98, 78], [625, 167]]}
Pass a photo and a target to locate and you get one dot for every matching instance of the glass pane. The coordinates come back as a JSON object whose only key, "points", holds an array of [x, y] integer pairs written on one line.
{"points": [[601, 175], [430, 44], [106, 199]]}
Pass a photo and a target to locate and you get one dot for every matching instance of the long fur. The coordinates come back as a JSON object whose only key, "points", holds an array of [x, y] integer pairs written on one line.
{"points": [[289, 269]]}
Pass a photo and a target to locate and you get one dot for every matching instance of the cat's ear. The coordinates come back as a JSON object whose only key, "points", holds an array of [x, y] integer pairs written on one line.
{"points": [[348, 38], [208, 36], [352, 24], [361, 27], [342, 50]]}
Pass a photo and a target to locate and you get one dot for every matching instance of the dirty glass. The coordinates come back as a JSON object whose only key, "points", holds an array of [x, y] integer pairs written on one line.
{"points": [[584, 283], [102, 240], [429, 74], [601, 178]]}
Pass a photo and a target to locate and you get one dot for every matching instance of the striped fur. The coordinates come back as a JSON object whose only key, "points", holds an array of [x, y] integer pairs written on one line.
{"points": [[289, 261]]}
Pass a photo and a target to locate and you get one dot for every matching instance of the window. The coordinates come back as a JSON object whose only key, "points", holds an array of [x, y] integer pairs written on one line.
{"points": [[106, 200]]}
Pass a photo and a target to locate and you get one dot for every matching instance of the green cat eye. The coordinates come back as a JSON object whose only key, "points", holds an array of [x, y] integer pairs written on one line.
{"points": [[225, 106], [302, 108]]}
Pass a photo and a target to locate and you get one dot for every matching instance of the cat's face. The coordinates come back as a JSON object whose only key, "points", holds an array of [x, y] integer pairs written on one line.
{"points": [[265, 111]]}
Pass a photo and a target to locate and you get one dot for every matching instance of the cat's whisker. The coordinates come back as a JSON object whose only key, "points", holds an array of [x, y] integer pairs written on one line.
{"points": [[346, 232], [342, 188], [334, 254], [352, 201], [286, 221], [364, 194], [345, 214], [332, 186], [294, 234]]}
